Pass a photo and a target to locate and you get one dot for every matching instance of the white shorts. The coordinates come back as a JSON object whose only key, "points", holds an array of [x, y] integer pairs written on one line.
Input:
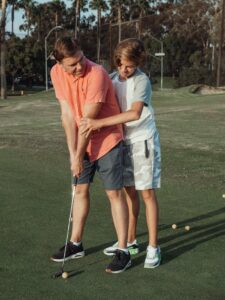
{"points": [[142, 164]]}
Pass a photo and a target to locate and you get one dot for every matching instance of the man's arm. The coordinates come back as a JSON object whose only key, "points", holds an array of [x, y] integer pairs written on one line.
{"points": [[70, 128], [90, 111]]}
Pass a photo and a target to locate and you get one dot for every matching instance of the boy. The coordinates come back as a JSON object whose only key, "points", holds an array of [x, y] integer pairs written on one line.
{"points": [[142, 161]]}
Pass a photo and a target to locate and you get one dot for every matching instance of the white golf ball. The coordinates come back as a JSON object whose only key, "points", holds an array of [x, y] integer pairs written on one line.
{"points": [[65, 275]]}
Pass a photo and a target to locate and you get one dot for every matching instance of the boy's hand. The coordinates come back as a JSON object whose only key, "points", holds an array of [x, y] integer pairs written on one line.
{"points": [[87, 125]]}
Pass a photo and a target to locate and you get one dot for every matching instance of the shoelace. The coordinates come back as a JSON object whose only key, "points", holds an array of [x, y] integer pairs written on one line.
{"points": [[117, 257], [151, 253]]}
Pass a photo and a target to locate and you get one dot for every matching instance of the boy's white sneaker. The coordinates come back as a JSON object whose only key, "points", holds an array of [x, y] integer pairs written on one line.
{"points": [[153, 257], [133, 248]]}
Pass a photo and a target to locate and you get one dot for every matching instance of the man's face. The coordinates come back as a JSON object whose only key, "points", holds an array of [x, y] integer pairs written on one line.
{"points": [[126, 68], [74, 65]]}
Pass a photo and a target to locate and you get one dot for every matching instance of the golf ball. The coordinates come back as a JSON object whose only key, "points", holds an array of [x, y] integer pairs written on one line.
{"points": [[65, 275], [174, 226], [223, 195], [187, 228]]}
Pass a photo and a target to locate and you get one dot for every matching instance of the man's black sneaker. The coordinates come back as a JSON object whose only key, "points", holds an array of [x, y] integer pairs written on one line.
{"points": [[72, 251], [120, 262]]}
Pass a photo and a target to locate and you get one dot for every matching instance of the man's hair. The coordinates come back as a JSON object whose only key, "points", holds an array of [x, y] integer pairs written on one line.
{"points": [[131, 49], [65, 47]]}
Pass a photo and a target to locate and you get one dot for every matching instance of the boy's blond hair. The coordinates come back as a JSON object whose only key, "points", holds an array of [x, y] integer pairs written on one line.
{"points": [[131, 49]]}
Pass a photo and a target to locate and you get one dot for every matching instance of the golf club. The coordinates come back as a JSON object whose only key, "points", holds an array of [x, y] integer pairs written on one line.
{"points": [[61, 272]]}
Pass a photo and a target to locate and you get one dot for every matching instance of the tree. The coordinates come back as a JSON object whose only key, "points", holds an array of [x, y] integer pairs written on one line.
{"points": [[15, 5], [78, 6], [220, 43], [138, 9], [28, 6], [99, 5], [3, 51]]}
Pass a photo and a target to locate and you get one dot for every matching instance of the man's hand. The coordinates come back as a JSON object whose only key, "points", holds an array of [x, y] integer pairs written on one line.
{"points": [[77, 166], [87, 125]]}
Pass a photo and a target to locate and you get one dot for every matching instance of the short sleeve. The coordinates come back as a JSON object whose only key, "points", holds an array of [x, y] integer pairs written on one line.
{"points": [[142, 89], [97, 87], [57, 84]]}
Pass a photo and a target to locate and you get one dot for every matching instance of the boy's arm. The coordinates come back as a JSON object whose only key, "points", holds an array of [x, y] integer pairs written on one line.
{"points": [[89, 124]]}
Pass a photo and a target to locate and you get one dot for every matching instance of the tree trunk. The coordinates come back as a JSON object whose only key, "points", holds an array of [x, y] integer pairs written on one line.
{"points": [[12, 17], [3, 51], [110, 47], [119, 23], [220, 45], [99, 34], [56, 24], [77, 21]]}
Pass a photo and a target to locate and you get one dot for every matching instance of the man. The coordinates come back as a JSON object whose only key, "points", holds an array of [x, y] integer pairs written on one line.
{"points": [[84, 89]]}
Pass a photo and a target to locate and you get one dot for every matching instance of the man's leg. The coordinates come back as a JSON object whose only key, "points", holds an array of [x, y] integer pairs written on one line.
{"points": [[120, 215], [81, 204], [80, 211]]}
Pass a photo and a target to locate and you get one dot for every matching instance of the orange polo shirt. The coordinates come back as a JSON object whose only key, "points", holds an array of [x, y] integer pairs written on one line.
{"points": [[93, 87]]}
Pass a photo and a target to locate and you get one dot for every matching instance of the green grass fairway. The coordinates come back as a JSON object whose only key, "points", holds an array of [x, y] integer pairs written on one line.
{"points": [[35, 200]]}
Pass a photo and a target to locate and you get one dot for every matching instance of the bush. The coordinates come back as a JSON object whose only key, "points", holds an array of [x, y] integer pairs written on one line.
{"points": [[195, 75]]}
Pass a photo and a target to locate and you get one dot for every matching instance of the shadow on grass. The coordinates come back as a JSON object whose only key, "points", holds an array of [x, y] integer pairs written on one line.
{"points": [[101, 247], [192, 239], [71, 273], [184, 241], [195, 219]]}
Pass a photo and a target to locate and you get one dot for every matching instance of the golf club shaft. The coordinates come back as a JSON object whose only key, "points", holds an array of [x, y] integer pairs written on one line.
{"points": [[68, 227]]}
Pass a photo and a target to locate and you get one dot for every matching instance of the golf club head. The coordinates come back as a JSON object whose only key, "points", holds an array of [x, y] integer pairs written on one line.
{"points": [[56, 275]]}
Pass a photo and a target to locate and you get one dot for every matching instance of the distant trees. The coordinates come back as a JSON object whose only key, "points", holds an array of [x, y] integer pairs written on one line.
{"points": [[189, 29], [3, 49]]}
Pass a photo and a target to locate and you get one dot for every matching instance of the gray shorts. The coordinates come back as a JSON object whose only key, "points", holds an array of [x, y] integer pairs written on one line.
{"points": [[109, 167], [142, 164]]}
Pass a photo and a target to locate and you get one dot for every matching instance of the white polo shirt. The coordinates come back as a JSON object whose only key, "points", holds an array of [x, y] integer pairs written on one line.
{"points": [[136, 88]]}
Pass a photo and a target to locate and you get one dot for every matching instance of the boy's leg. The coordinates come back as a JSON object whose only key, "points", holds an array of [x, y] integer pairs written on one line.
{"points": [[151, 210], [153, 256], [133, 212]]}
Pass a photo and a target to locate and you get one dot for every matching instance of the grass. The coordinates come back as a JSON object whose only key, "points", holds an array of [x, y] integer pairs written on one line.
{"points": [[35, 200]]}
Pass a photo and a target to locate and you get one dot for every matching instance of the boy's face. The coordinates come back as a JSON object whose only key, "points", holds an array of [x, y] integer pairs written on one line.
{"points": [[74, 65], [126, 68]]}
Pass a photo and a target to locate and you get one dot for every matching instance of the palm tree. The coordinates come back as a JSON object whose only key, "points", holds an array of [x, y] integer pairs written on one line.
{"points": [[99, 5], [118, 8], [28, 6], [78, 5], [220, 44], [15, 5], [138, 8], [3, 50]]}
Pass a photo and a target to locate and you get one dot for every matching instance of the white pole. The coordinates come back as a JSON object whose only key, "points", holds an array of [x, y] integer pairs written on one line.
{"points": [[46, 66], [161, 66], [46, 55]]}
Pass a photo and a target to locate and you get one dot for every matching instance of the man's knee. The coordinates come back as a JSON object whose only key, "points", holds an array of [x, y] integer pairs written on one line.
{"points": [[82, 190], [113, 195]]}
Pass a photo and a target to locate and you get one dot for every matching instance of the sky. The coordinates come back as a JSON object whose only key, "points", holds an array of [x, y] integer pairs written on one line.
{"points": [[18, 18]]}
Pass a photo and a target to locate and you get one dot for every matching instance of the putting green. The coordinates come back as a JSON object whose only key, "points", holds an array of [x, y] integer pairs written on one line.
{"points": [[35, 199]]}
